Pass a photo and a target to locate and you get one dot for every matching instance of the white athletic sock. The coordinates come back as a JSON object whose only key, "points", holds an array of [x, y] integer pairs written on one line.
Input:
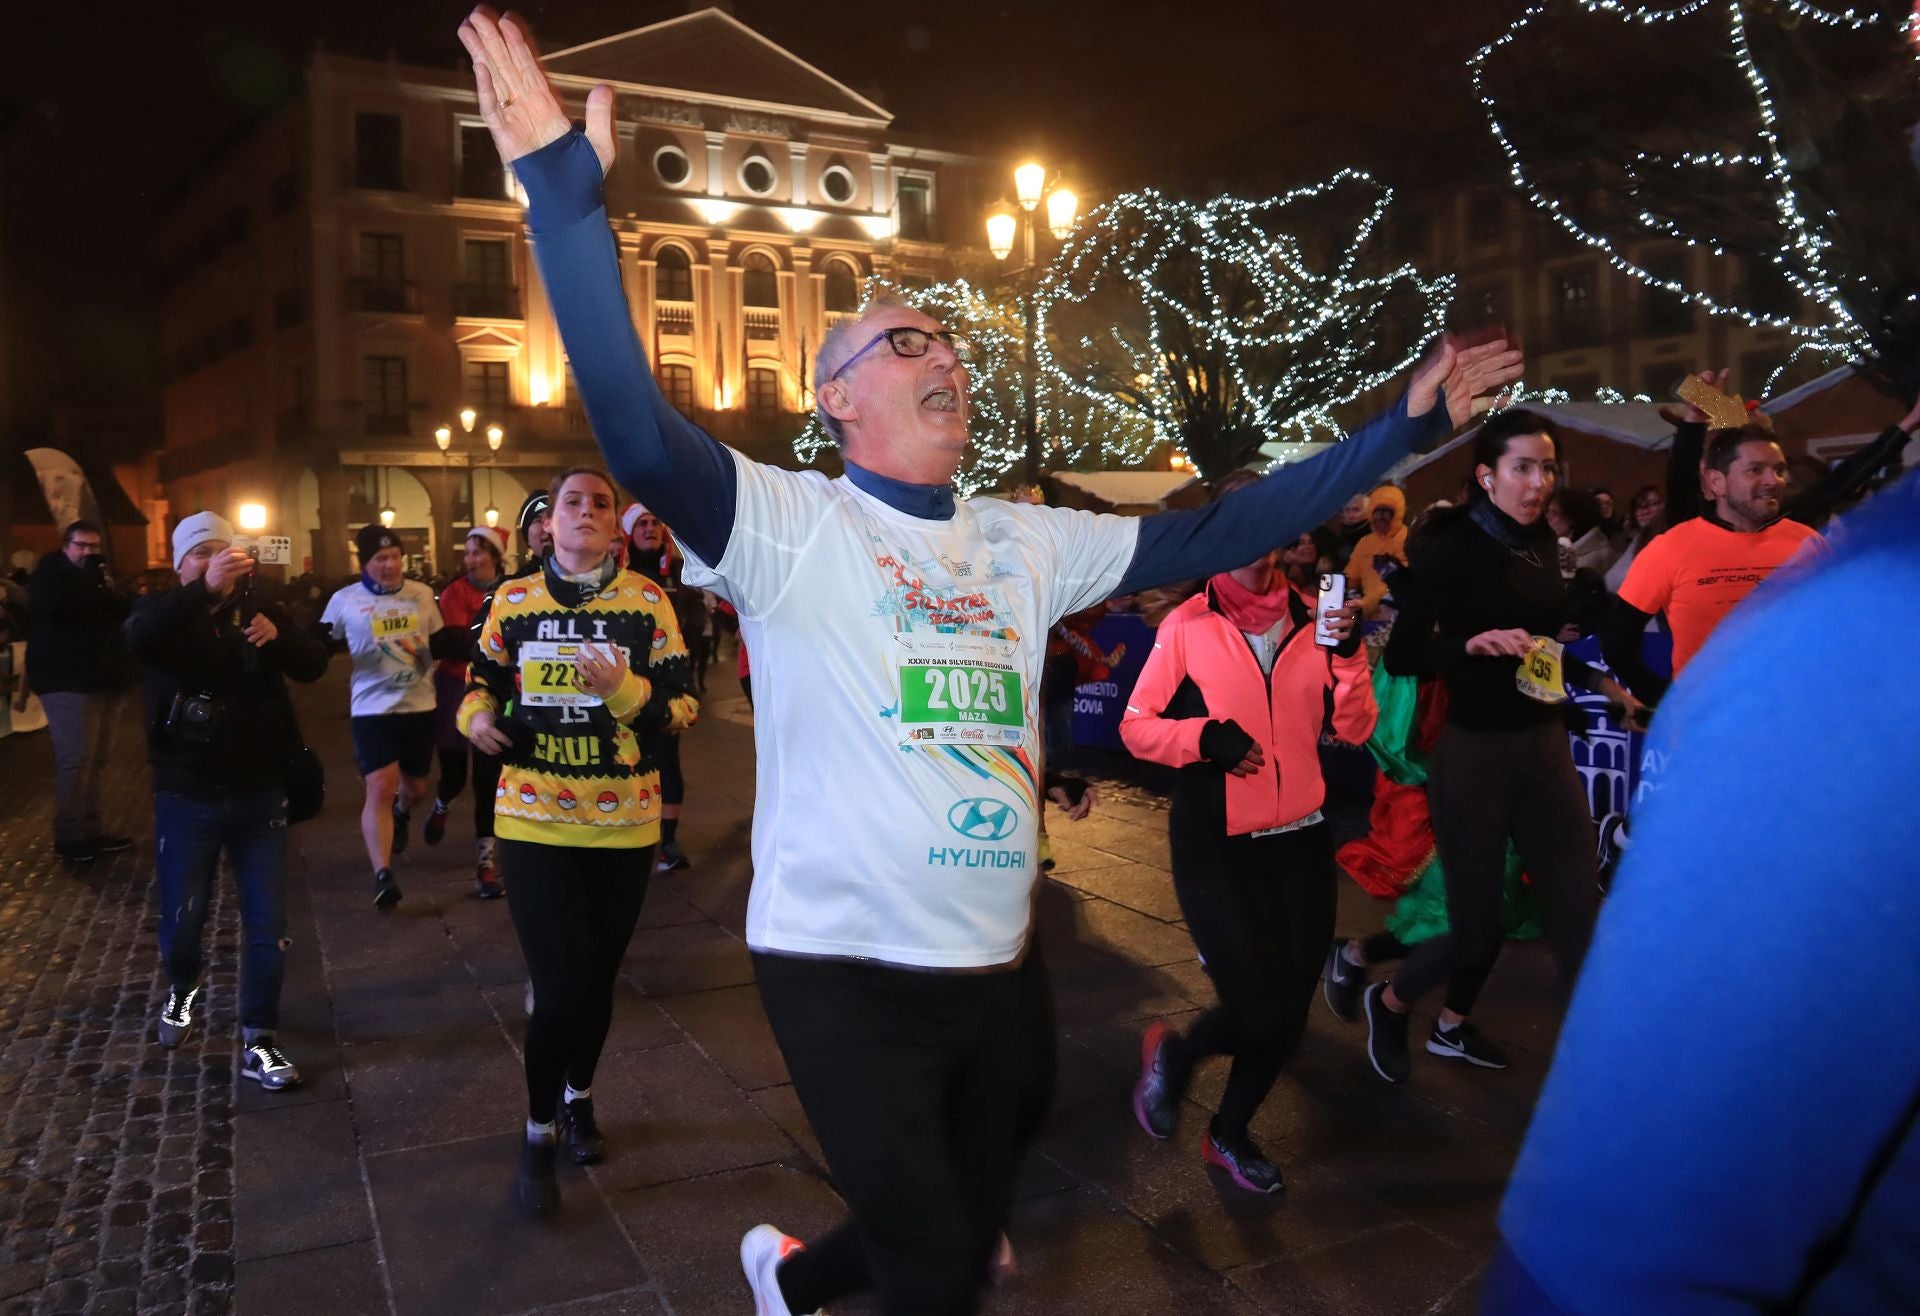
{"points": [[572, 1096], [542, 1132]]}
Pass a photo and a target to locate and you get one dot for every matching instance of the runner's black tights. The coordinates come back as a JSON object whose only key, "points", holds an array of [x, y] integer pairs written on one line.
{"points": [[574, 909]]}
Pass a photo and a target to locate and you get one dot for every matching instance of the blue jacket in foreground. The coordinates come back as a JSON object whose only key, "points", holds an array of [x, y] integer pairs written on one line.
{"points": [[1730, 1122]]}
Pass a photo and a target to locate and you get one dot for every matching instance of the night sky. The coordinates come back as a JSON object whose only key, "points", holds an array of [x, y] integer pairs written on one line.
{"points": [[100, 117]]}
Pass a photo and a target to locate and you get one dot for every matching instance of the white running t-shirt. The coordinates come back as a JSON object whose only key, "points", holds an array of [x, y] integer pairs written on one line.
{"points": [[387, 635], [896, 683]]}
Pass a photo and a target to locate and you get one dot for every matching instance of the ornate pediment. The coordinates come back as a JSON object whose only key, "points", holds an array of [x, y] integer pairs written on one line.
{"points": [[711, 54]]}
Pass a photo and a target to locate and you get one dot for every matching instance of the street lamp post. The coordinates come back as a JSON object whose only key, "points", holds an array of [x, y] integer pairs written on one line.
{"points": [[1005, 225], [496, 435]]}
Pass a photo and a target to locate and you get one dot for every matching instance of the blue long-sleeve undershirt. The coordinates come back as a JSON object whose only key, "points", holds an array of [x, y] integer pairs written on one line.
{"points": [[688, 478]]}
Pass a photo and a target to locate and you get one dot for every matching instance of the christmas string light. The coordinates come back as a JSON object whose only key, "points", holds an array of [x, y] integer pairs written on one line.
{"points": [[1211, 318], [1802, 258]]}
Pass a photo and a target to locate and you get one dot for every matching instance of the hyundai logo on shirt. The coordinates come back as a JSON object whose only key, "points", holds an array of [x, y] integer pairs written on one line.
{"points": [[983, 819]]}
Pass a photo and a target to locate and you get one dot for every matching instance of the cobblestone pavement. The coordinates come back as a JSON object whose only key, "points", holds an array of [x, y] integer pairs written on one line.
{"points": [[116, 1170], [380, 1185]]}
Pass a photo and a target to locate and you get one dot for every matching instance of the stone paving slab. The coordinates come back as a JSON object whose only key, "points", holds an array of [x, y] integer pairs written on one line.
{"points": [[381, 1185]]}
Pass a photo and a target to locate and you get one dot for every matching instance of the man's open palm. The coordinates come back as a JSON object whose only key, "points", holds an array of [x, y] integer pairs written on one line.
{"points": [[517, 100]]}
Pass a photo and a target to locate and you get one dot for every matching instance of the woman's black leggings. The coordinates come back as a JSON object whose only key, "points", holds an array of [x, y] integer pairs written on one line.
{"points": [[1485, 786], [663, 751], [574, 909], [453, 780], [1260, 909]]}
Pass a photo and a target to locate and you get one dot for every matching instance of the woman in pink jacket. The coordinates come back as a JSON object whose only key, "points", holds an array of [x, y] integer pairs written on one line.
{"points": [[1234, 695]]}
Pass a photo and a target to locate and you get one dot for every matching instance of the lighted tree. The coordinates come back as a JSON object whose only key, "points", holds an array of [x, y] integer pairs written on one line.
{"points": [[1224, 325], [1781, 132], [1071, 430]]}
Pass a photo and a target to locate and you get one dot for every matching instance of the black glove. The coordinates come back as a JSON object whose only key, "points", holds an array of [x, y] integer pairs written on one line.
{"points": [[1072, 783], [1224, 744]]}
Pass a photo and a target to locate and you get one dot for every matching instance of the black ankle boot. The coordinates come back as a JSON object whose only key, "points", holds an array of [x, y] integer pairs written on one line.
{"points": [[585, 1146]]}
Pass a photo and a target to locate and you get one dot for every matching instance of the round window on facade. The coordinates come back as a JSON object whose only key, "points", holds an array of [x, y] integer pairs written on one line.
{"points": [[836, 183], [756, 175], [671, 163]]}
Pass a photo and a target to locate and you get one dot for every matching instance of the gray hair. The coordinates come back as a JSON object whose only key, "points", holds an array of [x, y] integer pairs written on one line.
{"points": [[838, 347]]}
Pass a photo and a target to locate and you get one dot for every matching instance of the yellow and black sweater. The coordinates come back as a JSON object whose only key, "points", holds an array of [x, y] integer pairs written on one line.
{"points": [[585, 780]]}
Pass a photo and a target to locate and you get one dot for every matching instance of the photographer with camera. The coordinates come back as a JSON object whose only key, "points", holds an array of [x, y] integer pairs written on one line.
{"points": [[77, 665], [230, 771]]}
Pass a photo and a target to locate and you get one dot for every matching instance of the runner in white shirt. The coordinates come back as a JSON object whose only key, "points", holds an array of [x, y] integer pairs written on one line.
{"points": [[899, 635], [387, 623]]}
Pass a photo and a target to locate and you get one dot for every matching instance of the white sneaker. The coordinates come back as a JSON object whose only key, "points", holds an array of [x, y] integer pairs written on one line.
{"points": [[762, 1249]]}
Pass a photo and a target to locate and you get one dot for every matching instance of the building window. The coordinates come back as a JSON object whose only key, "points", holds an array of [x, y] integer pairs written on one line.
{"points": [[760, 285], [1483, 304], [1576, 313], [481, 173], [843, 287], [914, 209], [376, 152], [1486, 219], [239, 224], [289, 308], [763, 391], [1662, 314], [383, 272], [283, 192], [1756, 370], [672, 165], [836, 184], [676, 383], [488, 289], [489, 390], [383, 393], [672, 275], [757, 176]]}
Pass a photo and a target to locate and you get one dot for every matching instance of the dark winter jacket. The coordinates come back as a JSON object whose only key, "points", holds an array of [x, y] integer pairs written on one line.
{"points": [[73, 628], [187, 647]]}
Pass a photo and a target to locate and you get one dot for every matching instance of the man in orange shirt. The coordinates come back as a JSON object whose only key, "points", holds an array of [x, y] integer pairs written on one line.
{"points": [[1700, 570]]}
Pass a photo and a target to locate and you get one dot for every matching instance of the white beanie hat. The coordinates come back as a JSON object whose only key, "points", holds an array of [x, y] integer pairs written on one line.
{"points": [[496, 538], [196, 530]]}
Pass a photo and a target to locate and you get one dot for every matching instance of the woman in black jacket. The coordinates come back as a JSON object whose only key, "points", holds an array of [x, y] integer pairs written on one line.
{"points": [[221, 735], [1483, 604]]}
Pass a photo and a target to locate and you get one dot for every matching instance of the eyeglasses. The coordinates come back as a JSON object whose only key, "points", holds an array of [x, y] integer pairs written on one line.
{"points": [[910, 343]]}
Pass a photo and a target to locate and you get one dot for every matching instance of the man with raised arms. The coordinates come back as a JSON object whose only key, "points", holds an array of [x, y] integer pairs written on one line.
{"points": [[898, 635]]}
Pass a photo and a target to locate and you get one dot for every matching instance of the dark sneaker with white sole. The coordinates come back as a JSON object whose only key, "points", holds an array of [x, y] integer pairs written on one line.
{"points": [[1342, 983], [176, 1016], [436, 829], [108, 843], [585, 1145], [1465, 1042], [1243, 1163], [386, 889], [265, 1063], [1386, 1037]]}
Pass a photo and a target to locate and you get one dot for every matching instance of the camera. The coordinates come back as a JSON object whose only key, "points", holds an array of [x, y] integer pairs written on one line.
{"points": [[193, 719], [267, 550]]}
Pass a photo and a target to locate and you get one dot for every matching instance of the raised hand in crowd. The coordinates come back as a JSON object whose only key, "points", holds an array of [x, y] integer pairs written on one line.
{"points": [[227, 569], [261, 631], [517, 100], [1470, 376], [1511, 643], [1716, 379]]}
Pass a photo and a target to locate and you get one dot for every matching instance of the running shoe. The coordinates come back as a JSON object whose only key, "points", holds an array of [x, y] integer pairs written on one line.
{"points": [[1243, 1163], [672, 857], [108, 843], [265, 1063], [436, 829], [176, 1016], [402, 821], [76, 852], [1386, 1037], [1465, 1042], [386, 889], [1342, 983], [1613, 847], [486, 873], [1156, 1104], [762, 1249], [585, 1145], [536, 1189]]}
